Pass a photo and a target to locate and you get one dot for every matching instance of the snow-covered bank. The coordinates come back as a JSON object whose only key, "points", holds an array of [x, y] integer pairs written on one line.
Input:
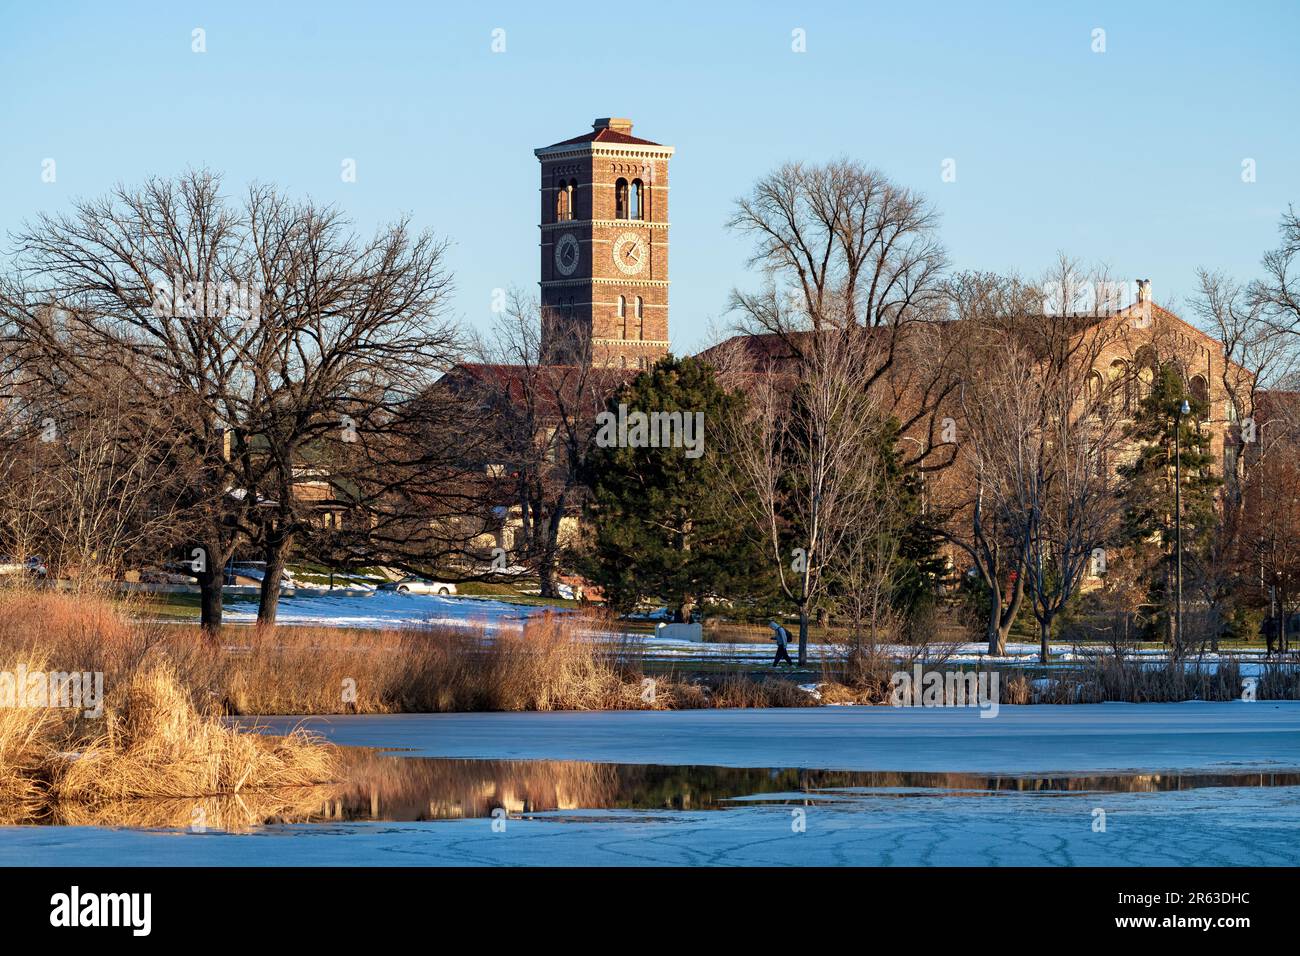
{"points": [[1043, 739], [383, 609], [388, 609]]}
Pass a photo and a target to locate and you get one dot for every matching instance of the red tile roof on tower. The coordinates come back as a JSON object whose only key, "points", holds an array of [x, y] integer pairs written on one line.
{"points": [[607, 130], [605, 136]]}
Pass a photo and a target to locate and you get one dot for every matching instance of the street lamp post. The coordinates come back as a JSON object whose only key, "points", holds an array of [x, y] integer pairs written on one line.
{"points": [[1183, 409]]}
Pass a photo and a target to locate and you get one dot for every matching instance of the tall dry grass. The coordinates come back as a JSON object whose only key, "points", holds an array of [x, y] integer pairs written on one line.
{"points": [[546, 665], [153, 742], [1111, 677], [157, 735], [553, 662]]}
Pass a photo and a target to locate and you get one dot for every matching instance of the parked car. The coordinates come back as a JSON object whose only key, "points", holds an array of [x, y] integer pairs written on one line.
{"points": [[173, 573], [417, 585], [253, 572], [33, 567]]}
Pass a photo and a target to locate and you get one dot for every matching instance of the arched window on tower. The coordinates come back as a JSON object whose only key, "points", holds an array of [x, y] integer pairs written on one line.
{"points": [[620, 199], [640, 325], [636, 200], [563, 202]]}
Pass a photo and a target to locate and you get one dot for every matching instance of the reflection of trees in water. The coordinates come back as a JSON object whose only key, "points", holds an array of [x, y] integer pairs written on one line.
{"points": [[378, 786], [383, 787], [388, 787], [229, 812]]}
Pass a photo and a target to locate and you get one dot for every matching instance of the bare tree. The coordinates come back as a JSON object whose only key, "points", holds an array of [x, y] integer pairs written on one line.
{"points": [[349, 335], [1036, 436], [89, 479], [986, 430], [1258, 355], [864, 580], [260, 326], [543, 418], [842, 247], [806, 469], [1278, 293], [1271, 525]]}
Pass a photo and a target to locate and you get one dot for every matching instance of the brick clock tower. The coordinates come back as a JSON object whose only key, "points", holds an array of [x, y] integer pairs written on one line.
{"points": [[604, 288]]}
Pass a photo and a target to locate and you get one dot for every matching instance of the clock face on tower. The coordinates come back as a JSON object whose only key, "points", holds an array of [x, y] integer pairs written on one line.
{"points": [[629, 253], [566, 254]]}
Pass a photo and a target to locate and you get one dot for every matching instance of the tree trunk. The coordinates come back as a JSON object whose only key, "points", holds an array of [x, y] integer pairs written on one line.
{"points": [[1044, 630], [1001, 618], [803, 634], [210, 579], [992, 628], [1283, 634], [549, 570], [210, 604], [547, 573], [269, 593]]}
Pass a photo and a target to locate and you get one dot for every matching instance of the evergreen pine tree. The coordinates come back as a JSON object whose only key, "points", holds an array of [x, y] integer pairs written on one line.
{"points": [[665, 523], [1147, 486]]}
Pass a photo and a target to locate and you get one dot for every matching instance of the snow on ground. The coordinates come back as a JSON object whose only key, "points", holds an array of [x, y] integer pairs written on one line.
{"points": [[385, 609], [1039, 738], [388, 609], [380, 609]]}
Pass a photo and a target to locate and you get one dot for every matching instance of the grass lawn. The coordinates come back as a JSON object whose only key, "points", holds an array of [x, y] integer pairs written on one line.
{"points": [[166, 607]]}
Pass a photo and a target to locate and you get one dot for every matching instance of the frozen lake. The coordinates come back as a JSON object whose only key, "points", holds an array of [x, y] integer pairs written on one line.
{"points": [[1039, 739], [1112, 784]]}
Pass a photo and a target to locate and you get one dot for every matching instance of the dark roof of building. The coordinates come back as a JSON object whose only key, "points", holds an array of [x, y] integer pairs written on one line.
{"points": [[760, 351], [550, 385]]}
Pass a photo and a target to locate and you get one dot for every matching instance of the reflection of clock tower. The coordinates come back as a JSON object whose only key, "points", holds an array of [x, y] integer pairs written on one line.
{"points": [[605, 248]]}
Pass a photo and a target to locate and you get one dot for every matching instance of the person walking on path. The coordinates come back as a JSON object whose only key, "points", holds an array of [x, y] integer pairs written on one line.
{"points": [[782, 638]]}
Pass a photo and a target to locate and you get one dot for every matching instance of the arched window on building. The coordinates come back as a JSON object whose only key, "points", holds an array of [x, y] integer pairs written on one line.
{"points": [[1121, 388], [1144, 373], [636, 200], [640, 316], [1200, 390], [1095, 393], [620, 199]]}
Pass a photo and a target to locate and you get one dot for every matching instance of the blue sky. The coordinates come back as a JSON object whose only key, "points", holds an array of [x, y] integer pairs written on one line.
{"points": [[1131, 157]]}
